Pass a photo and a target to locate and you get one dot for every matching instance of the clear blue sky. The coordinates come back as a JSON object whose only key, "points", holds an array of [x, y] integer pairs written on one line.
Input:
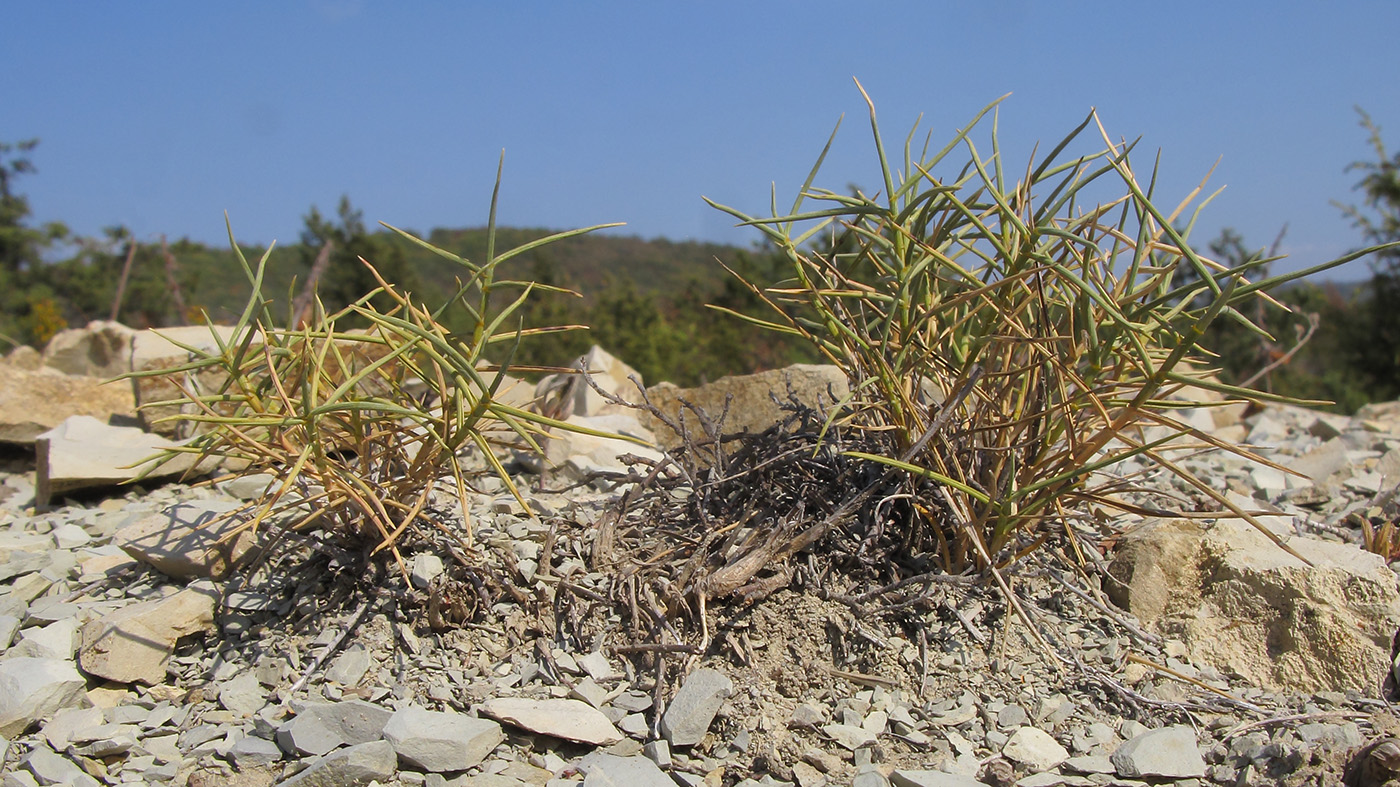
{"points": [[161, 116]]}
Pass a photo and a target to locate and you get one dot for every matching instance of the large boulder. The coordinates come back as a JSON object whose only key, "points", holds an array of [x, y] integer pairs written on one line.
{"points": [[752, 407], [102, 349], [1242, 604], [34, 401], [83, 453]]}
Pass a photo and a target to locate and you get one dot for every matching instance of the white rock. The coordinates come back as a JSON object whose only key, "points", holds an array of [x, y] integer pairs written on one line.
{"points": [[688, 717], [568, 719], [606, 770], [85, 453], [1035, 749], [354, 766], [426, 567]]}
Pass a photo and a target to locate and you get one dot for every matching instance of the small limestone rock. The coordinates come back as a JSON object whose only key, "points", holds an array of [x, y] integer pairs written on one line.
{"points": [[350, 767], [568, 719], [688, 716], [1035, 749], [85, 453], [435, 742], [51, 768], [133, 644], [244, 695], [350, 666], [426, 567], [32, 689], [1170, 752]]}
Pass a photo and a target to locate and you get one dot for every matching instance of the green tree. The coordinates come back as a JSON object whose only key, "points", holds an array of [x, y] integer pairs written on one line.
{"points": [[21, 251], [347, 279], [1373, 346]]}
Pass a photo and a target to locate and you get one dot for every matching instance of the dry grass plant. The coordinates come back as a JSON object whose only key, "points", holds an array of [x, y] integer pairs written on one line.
{"points": [[361, 427], [1006, 337]]}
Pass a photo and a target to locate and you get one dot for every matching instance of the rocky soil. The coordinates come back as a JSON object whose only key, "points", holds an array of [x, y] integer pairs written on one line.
{"points": [[1151, 649]]}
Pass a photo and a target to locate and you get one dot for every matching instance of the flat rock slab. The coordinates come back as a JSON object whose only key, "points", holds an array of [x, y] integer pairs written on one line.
{"points": [[133, 644], [351, 767], [688, 717], [36, 688], [910, 778], [435, 742], [607, 770], [1170, 753], [188, 540], [84, 453], [568, 719]]}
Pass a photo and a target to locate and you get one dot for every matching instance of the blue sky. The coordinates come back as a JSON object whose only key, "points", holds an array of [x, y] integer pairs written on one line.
{"points": [[161, 116]]}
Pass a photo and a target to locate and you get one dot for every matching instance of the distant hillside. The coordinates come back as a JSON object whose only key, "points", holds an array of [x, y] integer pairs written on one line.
{"points": [[588, 263]]}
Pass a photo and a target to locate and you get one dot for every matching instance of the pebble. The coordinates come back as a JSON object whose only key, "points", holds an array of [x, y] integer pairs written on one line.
{"points": [[688, 716]]}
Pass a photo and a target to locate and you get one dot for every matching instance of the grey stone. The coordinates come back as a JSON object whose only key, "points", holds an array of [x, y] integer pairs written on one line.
{"points": [[35, 688], [870, 778], [51, 768], [568, 719], [323, 726], [1169, 752], [253, 751], [350, 666], [688, 716], [102, 348], [1035, 749], [426, 567], [84, 453], [243, 695], [849, 736], [606, 770], [354, 766], [435, 742]]}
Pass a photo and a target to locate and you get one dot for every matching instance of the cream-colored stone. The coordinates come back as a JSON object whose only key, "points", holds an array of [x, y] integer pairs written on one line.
{"points": [[101, 349], [751, 407], [133, 644], [34, 401]]}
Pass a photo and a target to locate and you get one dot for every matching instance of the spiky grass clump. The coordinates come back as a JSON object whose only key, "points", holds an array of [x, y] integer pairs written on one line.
{"points": [[1004, 337], [360, 426]]}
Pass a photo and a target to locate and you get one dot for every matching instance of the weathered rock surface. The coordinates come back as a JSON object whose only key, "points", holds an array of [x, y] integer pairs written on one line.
{"points": [[1240, 602], [133, 644], [33, 402], [186, 541], [607, 770], [32, 689], [688, 716], [350, 767], [101, 349], [436, 742], [324, 726], [1169, 753], [752, 408]]}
